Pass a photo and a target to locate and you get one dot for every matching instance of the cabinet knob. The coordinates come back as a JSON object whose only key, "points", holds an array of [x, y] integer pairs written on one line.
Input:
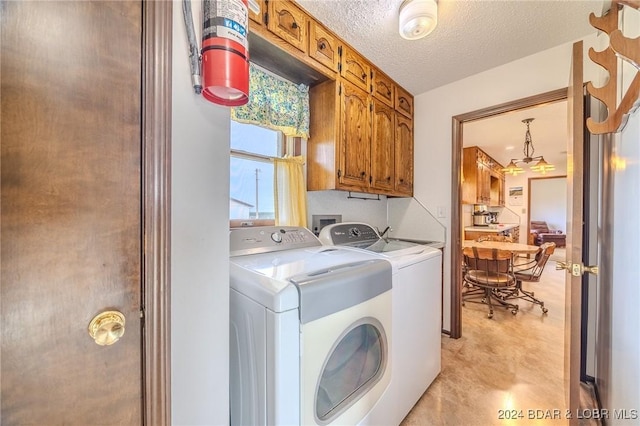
{"points": [[388, 178], [401, 180], [364, 76], [363, 174], [294, 25], [322, 46]]}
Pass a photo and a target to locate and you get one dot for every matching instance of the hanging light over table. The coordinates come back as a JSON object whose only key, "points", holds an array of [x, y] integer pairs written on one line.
{"points": [[541, 165]]}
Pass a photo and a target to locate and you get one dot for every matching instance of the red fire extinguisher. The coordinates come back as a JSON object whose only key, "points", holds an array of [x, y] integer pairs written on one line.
{"points": [[225, 53]]}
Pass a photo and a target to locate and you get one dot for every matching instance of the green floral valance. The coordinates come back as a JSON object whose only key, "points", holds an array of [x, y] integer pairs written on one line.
{"points": [[275, 103]]}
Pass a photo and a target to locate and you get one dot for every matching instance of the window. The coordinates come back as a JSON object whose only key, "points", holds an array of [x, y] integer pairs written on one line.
{"points": [[251, 195]]}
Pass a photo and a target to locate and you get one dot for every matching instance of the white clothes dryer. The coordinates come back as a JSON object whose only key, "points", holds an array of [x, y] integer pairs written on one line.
{"points": [[417, 312], [310, 329]]}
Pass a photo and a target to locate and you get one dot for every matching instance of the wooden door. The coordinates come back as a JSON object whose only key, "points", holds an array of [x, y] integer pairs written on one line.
{"points": [[382, 147], [575, 190], [71, 211], [404, 156], [355, 138]]}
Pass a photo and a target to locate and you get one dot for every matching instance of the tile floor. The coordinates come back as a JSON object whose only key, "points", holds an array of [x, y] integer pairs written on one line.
{"points": [[501, 366]]}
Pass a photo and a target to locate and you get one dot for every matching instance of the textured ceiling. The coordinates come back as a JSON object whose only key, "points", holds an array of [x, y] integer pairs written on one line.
{"points": [[471, 36]]}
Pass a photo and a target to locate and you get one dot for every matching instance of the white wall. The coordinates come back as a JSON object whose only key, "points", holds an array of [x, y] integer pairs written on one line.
{"points": [[549, 202], [200, 247], [532, 75]]}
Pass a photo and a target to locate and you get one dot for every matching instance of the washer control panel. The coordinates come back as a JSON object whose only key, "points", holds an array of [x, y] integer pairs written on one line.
{"points": [[263, 239]]}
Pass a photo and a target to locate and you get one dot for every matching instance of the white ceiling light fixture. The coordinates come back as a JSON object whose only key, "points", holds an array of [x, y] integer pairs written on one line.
{"points": [[417, 18]]}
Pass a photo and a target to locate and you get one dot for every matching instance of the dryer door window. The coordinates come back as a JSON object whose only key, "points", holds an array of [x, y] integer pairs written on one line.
{"points": [[354, 365]]}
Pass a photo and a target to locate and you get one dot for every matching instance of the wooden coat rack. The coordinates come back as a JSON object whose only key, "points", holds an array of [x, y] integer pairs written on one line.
{"points": [[619, 47]]}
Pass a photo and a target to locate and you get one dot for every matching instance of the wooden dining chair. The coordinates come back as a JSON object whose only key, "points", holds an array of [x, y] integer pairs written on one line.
{"points": [[531, 272], [488, 272]]}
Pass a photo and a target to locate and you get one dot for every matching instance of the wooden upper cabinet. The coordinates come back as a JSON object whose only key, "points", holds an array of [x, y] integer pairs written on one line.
{"points": [[290, 23], [383, 88], [355, 68], [258, 18], [404, 102], [323, 46], [404, 156], [483, 178], [355, 138], [382, 147]]}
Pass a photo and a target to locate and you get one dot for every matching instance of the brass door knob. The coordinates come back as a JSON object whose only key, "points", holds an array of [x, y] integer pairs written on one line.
{"points": [[107, 327]]}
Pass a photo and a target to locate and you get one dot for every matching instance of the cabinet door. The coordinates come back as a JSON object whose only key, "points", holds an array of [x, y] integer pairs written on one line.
{"points": [[382, 147], [484, 184], [289, 23], [404, 102], [383, 88], [355, 68], [404, 156], [355, 138], [257, 17], [323, 46]]}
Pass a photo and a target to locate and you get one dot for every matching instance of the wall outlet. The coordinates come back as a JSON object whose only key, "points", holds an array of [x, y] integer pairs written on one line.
{"points": [[442, 211]]}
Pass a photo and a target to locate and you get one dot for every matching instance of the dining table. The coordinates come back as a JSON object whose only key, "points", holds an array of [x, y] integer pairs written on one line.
{"points": [[515, 248]]}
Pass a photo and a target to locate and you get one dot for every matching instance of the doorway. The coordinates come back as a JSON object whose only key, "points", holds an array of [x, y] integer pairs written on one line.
{"points": [[456, 207]]}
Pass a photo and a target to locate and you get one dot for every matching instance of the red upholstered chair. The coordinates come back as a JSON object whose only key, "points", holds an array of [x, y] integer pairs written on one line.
{"points": [[541, 234]]}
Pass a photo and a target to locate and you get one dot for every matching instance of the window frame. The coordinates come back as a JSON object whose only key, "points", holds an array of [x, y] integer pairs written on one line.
{"points": [[286, 145]]}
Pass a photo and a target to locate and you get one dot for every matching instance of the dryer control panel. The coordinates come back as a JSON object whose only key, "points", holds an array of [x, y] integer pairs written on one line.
{"points": [[264, 239], [352, 234]]}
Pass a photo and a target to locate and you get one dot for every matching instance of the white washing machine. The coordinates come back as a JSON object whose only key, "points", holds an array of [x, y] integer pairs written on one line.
{"points": [[417, 312], [311, 330]]}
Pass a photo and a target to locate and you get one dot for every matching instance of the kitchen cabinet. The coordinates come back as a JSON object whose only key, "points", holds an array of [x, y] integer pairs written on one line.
{"points": [[355, 68], [403, 156], [404, 102], [369, 148], [288, 22], [323, 45], [483, 180], [355, 138], [383, 147], [258, 18], [361, 121], [382, 87]]}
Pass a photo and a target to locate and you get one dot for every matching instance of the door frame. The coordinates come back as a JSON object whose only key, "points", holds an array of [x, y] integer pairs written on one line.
{"points": [[456, 189], [157, 30]]}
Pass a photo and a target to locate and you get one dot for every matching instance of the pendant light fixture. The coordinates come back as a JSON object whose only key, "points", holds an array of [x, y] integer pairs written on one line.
{"points": [[417, 18], [541, 165]]}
